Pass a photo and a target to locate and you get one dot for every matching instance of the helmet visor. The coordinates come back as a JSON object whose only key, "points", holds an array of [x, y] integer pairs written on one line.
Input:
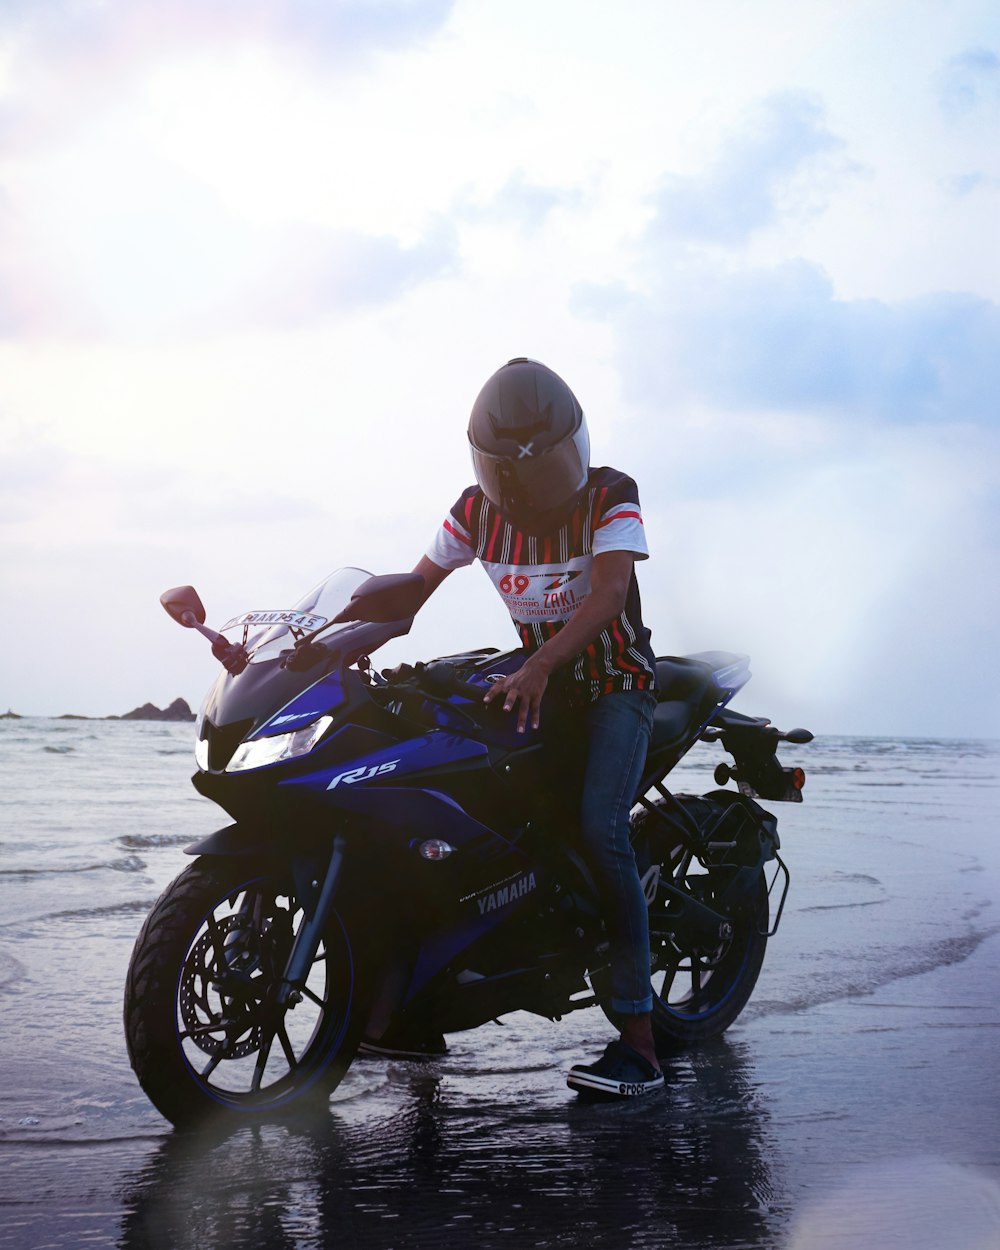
{"points": [[535, 482]]}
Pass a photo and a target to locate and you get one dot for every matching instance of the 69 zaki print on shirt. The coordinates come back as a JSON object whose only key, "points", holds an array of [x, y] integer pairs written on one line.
{"points": [[552, 593], [543, 579]]}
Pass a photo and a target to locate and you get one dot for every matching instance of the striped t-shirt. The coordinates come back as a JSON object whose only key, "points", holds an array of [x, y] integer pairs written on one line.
{"points": [[544, 579]]}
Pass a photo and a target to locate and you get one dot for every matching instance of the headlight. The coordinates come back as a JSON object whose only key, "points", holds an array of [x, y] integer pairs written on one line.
{"points": [[263, 751], [201, 754]]}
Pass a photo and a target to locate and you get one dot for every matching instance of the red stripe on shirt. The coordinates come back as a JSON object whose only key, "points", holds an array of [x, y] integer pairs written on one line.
{"points": [[617, 517], [493, 537], [457, 533], [622, 646]]}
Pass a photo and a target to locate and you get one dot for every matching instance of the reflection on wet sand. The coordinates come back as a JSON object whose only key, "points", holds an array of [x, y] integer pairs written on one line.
{"points": [[909, 1204], [428, 1169]]}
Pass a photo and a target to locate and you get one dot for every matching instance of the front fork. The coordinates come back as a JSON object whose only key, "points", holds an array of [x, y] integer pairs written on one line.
{"points": [[314, 922]]}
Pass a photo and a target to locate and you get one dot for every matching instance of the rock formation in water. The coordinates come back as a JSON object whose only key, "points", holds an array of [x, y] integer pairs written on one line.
{"points": [[178, 710]]}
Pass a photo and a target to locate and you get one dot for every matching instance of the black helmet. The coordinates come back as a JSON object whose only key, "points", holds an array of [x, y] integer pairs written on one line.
{"points": [[530, 446]]}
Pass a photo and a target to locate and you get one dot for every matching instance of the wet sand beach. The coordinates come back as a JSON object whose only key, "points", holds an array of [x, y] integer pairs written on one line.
{"points": [[856, 1102]]}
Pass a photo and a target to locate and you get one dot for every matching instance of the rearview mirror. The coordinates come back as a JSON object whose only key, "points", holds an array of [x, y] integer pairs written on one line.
{"points": [[184, 605]]}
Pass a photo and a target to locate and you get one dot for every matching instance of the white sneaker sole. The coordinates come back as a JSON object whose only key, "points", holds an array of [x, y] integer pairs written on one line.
{"points": [[590, 1082]]}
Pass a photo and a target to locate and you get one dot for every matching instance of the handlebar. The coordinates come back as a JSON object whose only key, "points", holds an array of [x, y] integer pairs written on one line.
{"points": [[436, 680], [441, 678]]}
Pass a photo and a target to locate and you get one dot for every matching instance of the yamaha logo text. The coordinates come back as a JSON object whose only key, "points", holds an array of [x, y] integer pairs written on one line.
{"points": [[509, 892]]}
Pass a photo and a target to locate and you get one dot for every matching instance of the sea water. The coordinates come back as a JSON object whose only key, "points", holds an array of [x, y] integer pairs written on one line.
{"points": [[873, 1034]]}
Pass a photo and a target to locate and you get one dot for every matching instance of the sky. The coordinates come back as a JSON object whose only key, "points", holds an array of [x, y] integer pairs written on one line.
{"points": [[257, 257]]}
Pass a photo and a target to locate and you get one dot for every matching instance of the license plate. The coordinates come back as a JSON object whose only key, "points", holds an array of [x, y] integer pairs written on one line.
{"points": [[305, 621]]}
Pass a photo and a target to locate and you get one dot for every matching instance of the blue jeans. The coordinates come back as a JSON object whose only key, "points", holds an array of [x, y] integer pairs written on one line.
{"points": [[619, 726]]}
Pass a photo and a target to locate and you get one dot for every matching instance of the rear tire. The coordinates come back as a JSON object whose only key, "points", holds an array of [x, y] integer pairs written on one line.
{"points": [[699, 989], [205, 1034]]}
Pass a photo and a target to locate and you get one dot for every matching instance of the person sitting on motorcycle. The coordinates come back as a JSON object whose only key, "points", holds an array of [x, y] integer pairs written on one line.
{"points": [[559, 540]]}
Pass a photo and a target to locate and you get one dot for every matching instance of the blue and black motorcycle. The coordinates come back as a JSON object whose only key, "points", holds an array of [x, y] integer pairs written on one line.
{"points": [[400, 860]]}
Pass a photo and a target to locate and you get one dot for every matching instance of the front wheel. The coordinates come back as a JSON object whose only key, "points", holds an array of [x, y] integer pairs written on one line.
{"points": [[205, 1027]]}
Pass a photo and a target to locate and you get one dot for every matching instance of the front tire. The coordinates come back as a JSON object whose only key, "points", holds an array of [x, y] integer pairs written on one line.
{"points": [[205, 1032]]}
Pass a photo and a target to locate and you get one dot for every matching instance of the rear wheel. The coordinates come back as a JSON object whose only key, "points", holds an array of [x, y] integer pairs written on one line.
{"points": [[699, 989], [205, 1030], [699, 986]]}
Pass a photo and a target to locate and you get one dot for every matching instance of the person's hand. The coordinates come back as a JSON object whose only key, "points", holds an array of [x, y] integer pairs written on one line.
{"points": [[522, 690], [232, 655], [401, 672]]}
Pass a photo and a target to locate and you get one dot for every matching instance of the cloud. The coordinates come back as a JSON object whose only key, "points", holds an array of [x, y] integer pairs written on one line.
{"points": [[75, 55], [820, 473], [706, 327], [349, 27], [970, 82], [32, 473], [70, 31], [160, 253], [754, 176], [974, 183], [317, 273], [779, 339], [31, 293], [153, 215], [526, 204], [847, 567], [54, 501]]}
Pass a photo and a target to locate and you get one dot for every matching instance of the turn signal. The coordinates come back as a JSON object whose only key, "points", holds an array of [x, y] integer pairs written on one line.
{"points": [[798, 778], [434, 848]]}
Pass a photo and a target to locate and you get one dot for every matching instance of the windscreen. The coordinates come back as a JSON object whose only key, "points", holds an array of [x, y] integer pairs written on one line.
{"points": [[267, 632]]}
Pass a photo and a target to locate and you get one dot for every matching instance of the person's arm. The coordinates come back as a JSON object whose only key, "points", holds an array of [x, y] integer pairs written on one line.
{"points": [[433, 575], [609, 579]]}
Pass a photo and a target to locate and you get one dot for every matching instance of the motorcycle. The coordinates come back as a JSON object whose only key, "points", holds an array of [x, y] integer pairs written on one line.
{"points": [[399, 858]]}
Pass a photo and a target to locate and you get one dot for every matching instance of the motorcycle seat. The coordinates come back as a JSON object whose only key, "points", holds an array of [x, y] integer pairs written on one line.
{"points": [[682, 686], [681, 678], [670, 723]]}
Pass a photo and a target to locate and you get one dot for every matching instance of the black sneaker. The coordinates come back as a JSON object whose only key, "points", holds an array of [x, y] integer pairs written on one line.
{"points": [[621, 1072], [403, 1044]]}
